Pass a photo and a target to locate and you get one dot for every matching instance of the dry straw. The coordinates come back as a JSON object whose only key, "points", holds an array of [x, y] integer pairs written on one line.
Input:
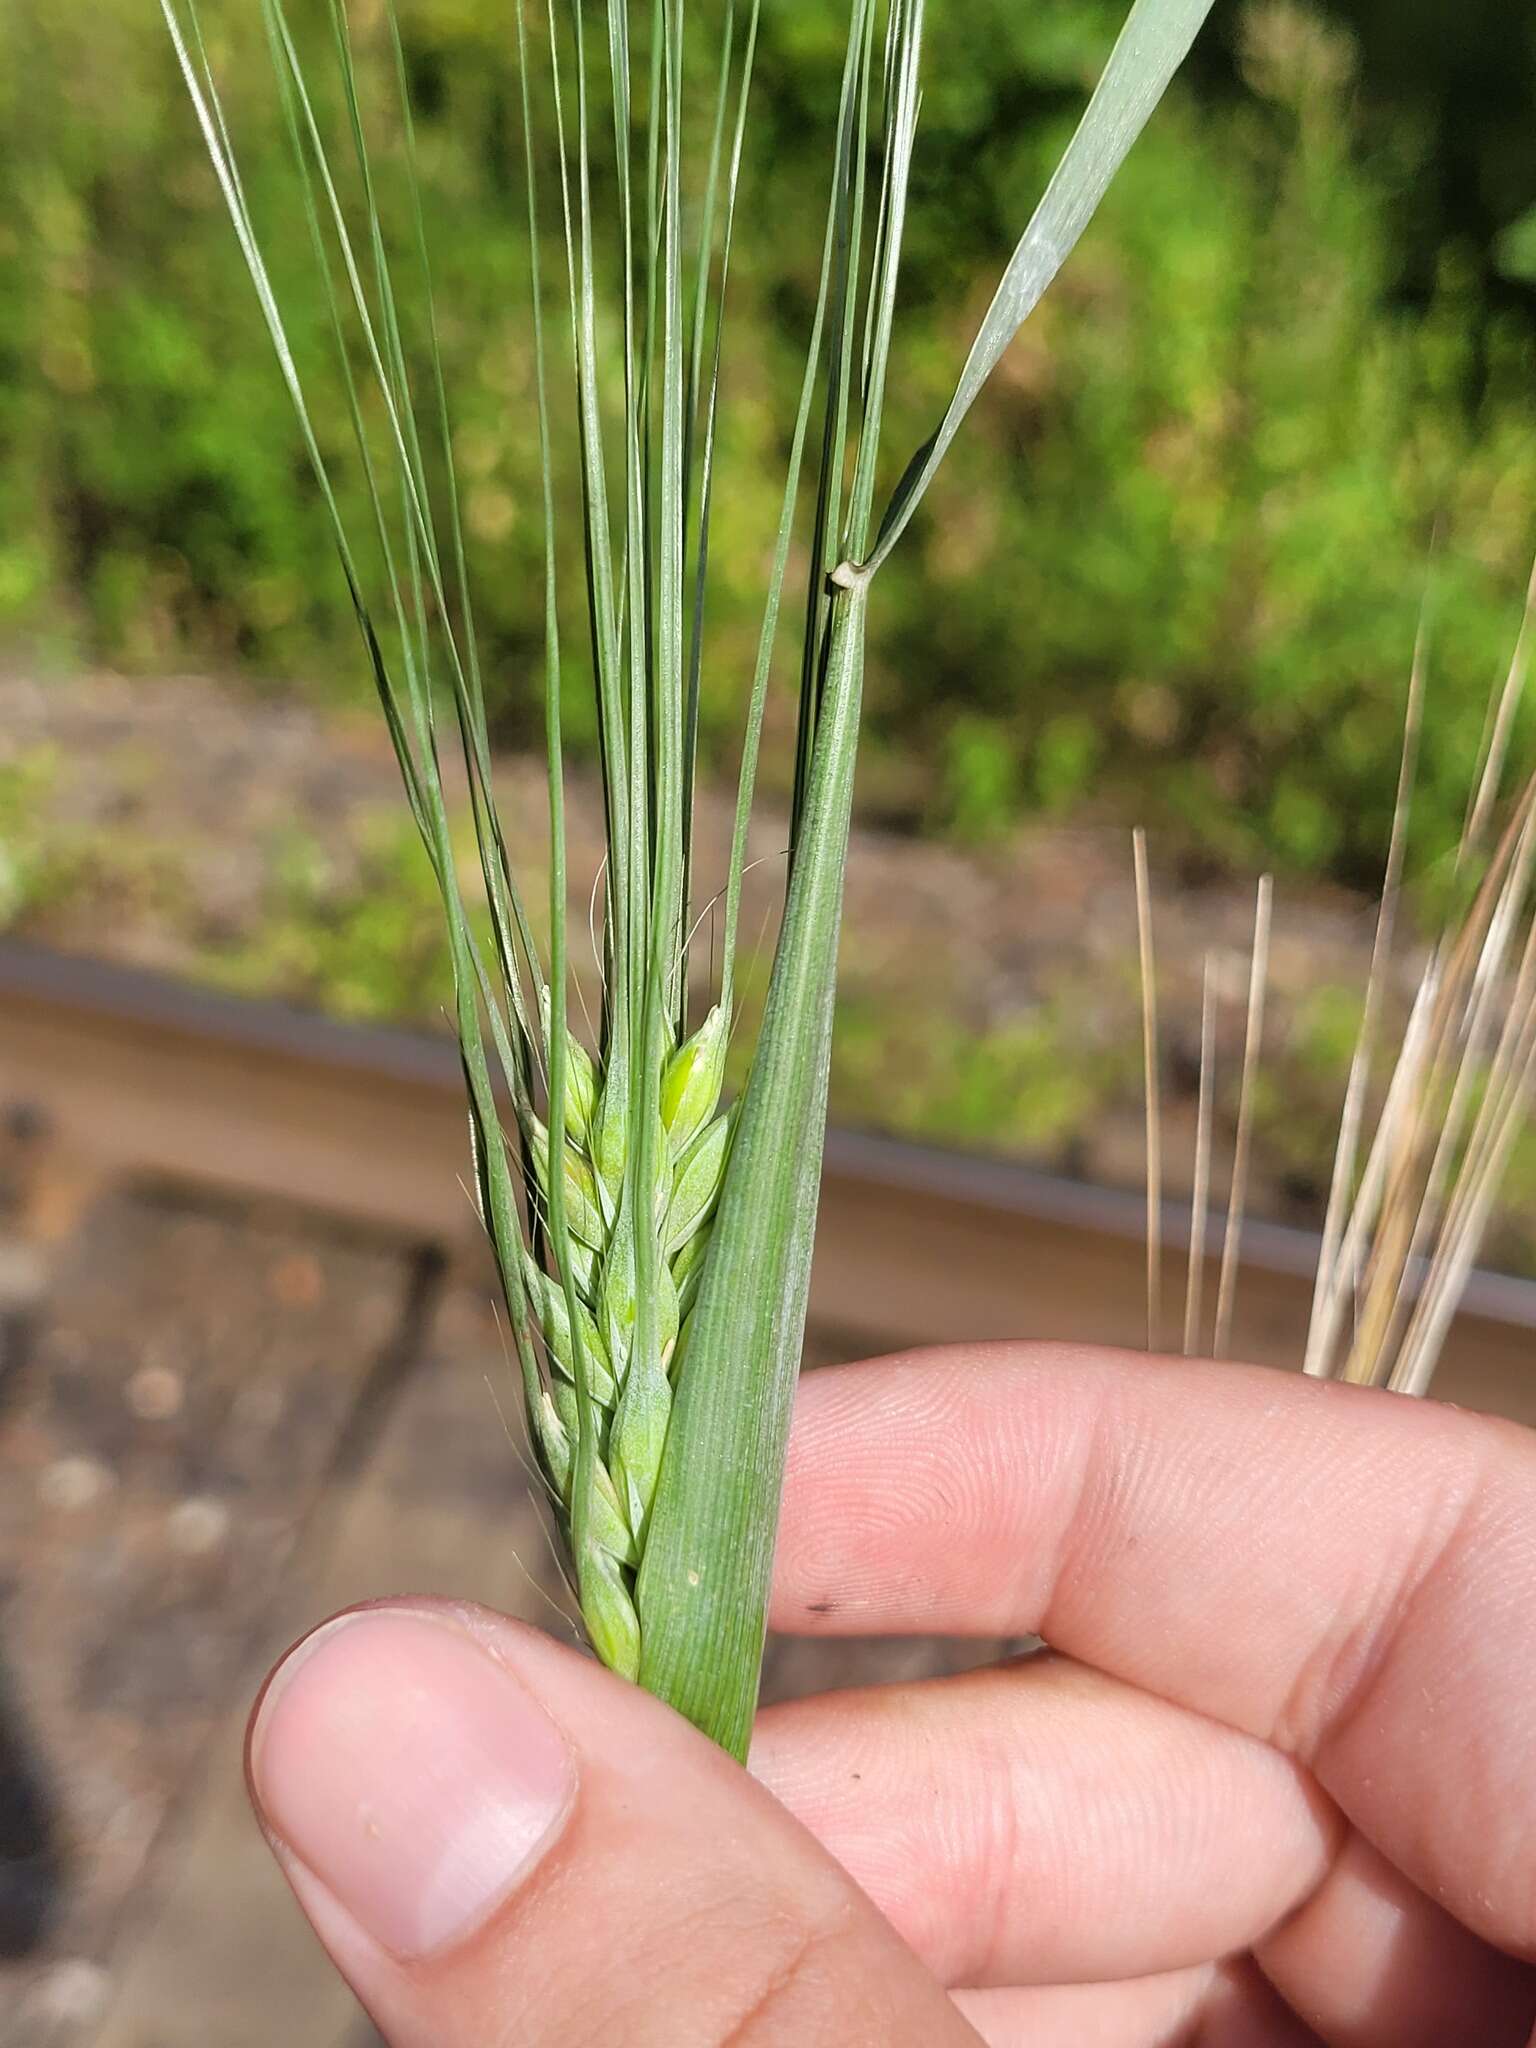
{"points": [[1414, 1187]]}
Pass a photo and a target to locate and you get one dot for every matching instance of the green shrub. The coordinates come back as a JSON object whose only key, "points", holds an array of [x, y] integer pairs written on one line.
{"points": [[1203, 521], [1175, 564]]}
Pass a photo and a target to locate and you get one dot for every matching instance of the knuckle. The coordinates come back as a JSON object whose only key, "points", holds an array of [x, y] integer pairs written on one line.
{"points": [[1380, 1620], [801, 1969]]}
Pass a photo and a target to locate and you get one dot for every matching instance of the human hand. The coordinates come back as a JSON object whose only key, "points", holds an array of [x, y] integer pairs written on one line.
{"points": [[1271, 1786]]}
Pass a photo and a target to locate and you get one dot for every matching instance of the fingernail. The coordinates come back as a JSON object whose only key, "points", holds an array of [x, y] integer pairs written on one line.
{"points": [[411, 1773]]}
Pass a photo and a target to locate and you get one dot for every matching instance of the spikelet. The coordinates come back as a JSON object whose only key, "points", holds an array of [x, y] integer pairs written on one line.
{"points": [[594, 1359]]}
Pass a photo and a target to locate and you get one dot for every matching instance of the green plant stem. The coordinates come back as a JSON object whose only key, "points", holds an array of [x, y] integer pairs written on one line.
{"points": [[704, 1581]]}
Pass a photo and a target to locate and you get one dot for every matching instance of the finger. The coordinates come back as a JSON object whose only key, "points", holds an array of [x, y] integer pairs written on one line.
{"points": [[1343, 1572], [1218, 2006], [1041, 1824], [499, 1841], [1374, 1964], [1146, 2012], [1241, 2010]]}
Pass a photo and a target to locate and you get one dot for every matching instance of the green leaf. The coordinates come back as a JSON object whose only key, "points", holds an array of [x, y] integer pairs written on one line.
{"points": [[1150, 48], [703, 1584]]}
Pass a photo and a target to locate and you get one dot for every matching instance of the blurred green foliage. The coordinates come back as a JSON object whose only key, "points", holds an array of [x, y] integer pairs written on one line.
{"points": [[370, 944], [27, 858], [1175, 564], [1033, 1086]]}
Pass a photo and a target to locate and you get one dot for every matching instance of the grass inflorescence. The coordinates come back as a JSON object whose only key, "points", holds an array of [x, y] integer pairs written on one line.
{"points": [[654, 1250]]}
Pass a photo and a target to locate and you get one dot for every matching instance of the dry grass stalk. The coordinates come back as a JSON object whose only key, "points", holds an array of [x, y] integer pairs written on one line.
{"points": [[1151, 1070], [1402, 1230]]}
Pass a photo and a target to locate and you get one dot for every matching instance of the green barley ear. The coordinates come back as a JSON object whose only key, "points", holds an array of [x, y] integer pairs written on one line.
{"points": [[655, 1268]]}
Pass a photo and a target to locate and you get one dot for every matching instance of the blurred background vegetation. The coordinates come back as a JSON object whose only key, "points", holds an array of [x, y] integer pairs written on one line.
{"points": [[1175, 565]]}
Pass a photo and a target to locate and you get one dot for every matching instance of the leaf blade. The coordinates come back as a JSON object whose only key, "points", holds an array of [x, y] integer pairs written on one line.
{"points": [[1152, 44]]}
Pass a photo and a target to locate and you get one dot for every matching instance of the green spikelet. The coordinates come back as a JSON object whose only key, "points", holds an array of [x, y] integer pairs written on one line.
{"points": [[690, 1087], [580, 1077], [628, 1389]]}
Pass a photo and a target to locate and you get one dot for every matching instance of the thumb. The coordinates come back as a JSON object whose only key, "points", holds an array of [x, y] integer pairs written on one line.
{"points": [[498, 1841]]}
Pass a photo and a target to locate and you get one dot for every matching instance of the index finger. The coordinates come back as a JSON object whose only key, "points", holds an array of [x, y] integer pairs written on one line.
{"points": [[1346, 1574]]}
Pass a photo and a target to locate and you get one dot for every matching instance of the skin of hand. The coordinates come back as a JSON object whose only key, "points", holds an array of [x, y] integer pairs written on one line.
{"points": [[1274, 1782]]}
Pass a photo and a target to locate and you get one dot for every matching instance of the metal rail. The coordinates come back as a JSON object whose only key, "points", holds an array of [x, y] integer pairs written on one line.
{"points": [[137, 1073]]}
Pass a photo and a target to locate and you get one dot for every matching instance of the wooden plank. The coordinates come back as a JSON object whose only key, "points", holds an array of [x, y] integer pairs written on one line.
{"points": [[914, 1244], [152, 1078], [893, 1270]]}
